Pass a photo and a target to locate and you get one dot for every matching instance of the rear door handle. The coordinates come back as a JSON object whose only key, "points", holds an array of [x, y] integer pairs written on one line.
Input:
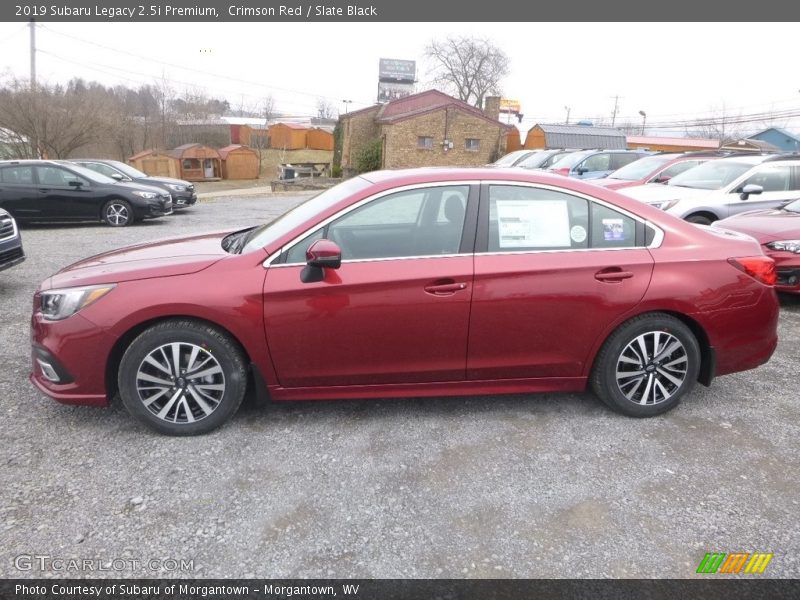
{"points": [[446, 287], [612, 276]]}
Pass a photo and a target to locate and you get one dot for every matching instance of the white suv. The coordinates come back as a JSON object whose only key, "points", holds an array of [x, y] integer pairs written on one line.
{"points": [[721, 188]]}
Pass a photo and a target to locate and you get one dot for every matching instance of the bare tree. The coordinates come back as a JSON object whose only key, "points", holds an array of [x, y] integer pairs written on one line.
{"points": [[721, 125], [57, 120], [471, 68], [325, 109]]}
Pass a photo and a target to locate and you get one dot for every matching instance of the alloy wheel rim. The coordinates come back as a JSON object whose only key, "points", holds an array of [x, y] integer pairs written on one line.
{"points": [[117, 214], [651, 368], [180, 383]]}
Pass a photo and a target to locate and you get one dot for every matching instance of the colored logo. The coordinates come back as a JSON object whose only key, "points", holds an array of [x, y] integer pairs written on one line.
{"points": [[738, 562]]}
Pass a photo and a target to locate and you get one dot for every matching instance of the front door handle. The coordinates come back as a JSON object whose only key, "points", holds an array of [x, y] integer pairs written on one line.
{"points": [[612, 275], [445, 287]]}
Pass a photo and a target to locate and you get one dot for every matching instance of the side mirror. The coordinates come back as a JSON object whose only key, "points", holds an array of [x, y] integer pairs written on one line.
{"points": [[662, 179], [324, 254], [750, 188], [117, 176], [581, 170]]}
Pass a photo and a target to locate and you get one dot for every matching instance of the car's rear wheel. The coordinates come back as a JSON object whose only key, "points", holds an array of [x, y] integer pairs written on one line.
{"points": [[117, 213], [182, 377], [700, 219], [647, 365]]}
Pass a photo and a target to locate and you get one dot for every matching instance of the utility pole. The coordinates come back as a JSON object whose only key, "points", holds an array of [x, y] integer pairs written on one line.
{"points": [[35, 140], [32, 26], [616, 110], [567, 108]]}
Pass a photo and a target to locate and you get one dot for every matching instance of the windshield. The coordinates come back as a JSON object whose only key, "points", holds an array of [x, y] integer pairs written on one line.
{"points": [[711, 175], [266, 234], [570, 160], [535, 160], [509, 160], [793, 206], [639, 169], [127, 169], [91, 175]]}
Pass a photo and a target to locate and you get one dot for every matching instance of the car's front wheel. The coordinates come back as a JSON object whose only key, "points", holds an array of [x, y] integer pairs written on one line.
{"points": [[182, 377], [117, 213], [647, 365]]}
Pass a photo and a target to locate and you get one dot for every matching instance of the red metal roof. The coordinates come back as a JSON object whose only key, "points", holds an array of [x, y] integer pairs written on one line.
{"points": [[674, 141]]}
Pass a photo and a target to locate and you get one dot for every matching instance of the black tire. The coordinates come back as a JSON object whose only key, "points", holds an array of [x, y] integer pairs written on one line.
{"points": [[117, 213], [178, 403], [700, 219], [630, 388]]}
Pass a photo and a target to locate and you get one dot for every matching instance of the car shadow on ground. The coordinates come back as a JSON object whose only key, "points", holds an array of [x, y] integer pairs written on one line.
{"points": [[83, 224]]}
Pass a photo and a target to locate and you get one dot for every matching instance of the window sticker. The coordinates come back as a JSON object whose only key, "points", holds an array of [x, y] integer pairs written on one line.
{"points": [[533, 223], [612, 230], [578, 234]]}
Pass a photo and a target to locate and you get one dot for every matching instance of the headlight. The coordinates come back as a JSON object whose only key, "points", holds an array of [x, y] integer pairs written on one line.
{"points": [[148, 195], [785, 246], [177, 188], [664, 204], [63, 303]]}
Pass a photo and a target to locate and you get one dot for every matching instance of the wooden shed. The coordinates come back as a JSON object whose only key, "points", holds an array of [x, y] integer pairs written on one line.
{"points": [[288, 136], [318, 138], [156, 163], [198, 162], [239, 162], [513, 141], [670, 144]]}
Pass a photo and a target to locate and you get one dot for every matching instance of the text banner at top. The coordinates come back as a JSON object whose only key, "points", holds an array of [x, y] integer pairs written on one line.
{"points": [[402, 11]]}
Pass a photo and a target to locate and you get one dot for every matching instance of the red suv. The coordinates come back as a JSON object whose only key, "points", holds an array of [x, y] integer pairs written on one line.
{"points": [[425, 282]]}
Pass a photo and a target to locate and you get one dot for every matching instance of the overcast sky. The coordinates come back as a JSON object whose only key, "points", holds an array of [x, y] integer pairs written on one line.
{"points": [[671, 71]]}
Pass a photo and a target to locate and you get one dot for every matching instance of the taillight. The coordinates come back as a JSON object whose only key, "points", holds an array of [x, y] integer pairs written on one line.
{"points": [[760, 268]]}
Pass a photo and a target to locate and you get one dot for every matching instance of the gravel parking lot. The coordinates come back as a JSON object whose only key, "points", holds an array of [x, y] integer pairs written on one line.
{"points": [[552, 485]]}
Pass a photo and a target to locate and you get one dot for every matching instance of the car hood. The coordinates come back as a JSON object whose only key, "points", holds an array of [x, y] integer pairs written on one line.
{"points": [[141, 187], [170, 180], [166, 258], [658, 192], [613, 184], [765, 225]]}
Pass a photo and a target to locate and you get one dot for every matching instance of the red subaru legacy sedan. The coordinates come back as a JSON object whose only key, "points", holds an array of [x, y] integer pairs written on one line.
{"points": [[426, 282]]}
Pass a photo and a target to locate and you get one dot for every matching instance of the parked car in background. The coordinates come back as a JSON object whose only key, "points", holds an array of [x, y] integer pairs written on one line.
{"points": [[11, 252], [512, 158], [778, 232], [543, 159], [722, 188], [456, 267], [45, 190], [182, 192], [594, 164], [658, 168]]}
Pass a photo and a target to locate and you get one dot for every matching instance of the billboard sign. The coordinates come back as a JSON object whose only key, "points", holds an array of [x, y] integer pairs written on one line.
{"points": [[397, 70], [509, 106]]}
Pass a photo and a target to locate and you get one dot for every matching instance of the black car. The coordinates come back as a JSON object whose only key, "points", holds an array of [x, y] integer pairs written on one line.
{"points": [[45, 190], [182, 192], [11, 252]]}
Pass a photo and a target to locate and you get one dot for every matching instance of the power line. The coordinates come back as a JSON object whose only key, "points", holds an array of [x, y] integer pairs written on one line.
{"points": [[193, 70]]}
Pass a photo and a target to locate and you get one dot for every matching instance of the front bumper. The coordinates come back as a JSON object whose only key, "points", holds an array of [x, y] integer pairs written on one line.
{"points": [[182, 200], [69, 359], [11, 254], [159, 210], [787, 267]]}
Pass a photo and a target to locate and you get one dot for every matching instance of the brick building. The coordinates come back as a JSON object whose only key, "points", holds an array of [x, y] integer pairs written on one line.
{"points": [[425, 129]]}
